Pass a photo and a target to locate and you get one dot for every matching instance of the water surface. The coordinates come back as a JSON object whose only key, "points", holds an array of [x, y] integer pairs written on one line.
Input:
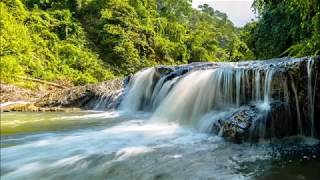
{"points": [[113, 145]]}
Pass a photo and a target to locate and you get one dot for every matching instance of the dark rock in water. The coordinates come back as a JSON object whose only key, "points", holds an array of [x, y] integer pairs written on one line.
{"points": [[102, 96], [251, 123], [236, 125], [163, 70]]}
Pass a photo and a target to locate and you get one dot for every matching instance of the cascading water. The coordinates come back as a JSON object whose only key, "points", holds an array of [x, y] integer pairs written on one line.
{"points": [[248, 100], [186, 102], [139, 91], [257, 85], [238, 86], [164, 89], [294, 89], [188, 97], [311, 94]]}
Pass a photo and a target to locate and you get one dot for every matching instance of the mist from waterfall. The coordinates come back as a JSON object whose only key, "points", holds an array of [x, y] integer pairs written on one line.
{"points": [[189, 97]]}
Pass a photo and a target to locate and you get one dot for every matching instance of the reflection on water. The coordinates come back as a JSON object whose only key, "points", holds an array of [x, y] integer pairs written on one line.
{"points": [[113, 145]]}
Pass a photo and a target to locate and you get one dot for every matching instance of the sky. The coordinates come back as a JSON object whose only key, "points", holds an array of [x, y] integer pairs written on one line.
{"points": [[238, 11]]}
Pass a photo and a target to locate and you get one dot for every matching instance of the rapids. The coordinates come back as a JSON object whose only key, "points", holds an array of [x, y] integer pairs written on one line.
{"points": [[176, 123], [115, 145], [185, 94]]}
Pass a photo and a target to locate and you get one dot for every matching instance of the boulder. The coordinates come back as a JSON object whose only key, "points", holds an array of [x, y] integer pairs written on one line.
{"points": [[254, 122]]}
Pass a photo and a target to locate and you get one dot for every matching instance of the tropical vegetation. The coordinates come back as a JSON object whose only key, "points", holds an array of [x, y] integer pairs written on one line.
{"points": [[87, 41]]}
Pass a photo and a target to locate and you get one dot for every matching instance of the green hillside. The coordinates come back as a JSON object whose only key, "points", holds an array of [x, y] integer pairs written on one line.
{"points": [[86, 41]]}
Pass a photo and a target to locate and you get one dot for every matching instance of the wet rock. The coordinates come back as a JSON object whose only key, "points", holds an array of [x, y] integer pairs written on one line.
{"points": [[107, 94], [252, 123], [236, 125], [163, 70]]}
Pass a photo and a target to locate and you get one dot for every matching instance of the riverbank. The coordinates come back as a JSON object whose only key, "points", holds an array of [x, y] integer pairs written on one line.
{"points": [[50, 99]]}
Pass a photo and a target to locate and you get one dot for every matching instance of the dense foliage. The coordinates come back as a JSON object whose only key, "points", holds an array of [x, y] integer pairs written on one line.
{"points": [[132, 34], [290, 27], [86, 41], [48, 45]]}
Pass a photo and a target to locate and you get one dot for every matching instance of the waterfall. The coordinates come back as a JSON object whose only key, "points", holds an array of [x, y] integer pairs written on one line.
{"points": [[238, 86], [202, 91], [163, 91], [138, 91], [297, 107], [205, 93], [267, 90], [186, 101], [257, 85], [311, 95]]}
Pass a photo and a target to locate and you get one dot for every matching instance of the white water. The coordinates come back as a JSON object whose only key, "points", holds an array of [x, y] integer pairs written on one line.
{"points": [[115, 146], [171, 141], [140, 88], [135, 149], [164, 89], [297, 107], [186, 101], [210, 90], [257, 85], [188, 98], [311, 94], [267, 86]]}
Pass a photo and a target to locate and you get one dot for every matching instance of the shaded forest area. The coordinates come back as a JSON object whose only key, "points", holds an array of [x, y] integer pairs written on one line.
{"points": [[87, 41]]}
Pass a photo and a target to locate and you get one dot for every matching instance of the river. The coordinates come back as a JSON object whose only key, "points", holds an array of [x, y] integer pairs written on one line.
{"points": [[116, 145]]}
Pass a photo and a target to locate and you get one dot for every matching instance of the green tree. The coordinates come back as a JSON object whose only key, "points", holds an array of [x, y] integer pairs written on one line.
{"points": [[285, 28]]}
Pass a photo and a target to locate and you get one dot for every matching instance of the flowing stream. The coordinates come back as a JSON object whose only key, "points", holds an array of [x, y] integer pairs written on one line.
{"points": [[163, 130], [113, 145]]}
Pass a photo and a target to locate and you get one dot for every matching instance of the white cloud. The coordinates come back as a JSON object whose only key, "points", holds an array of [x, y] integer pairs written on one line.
{"points": [[238, 11]]}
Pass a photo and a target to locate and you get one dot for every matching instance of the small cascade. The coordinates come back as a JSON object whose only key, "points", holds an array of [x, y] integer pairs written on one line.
{"points": [[267, 86], [294, 89], [264, 107], [311, 95], [257, 85], [139, 91], [187, 100], [211, 90], [238, 86], [159, 95], [101, 103], [190, 94]]}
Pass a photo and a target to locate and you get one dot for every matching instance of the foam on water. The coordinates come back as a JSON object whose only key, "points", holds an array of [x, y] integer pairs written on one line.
{"points": [[127, 152], [171, 141], [128, 149], [119, 142]]}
